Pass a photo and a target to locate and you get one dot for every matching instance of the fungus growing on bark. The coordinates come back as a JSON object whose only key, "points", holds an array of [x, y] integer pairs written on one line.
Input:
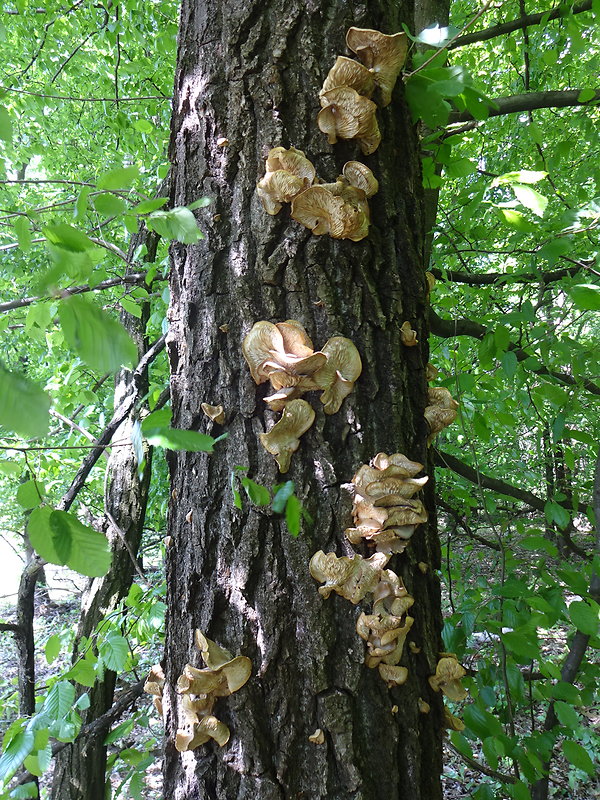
{"points": [[318, 737], [393, 676], [284, 437], [452, 722], [155, 684], [447, 678], [440, 412], [268, 351], [288, 173], [431, 372], [352, 578], [384, 510], [350, 73], [344, 215], [215, 413], [361, 177], [424, 707], [339, 373], [200, 689], [408, 337], [345, 114], [383, 55]]}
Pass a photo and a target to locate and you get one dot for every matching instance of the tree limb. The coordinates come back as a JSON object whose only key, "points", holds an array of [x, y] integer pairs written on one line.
{"points": [[476, 765], [518, 24], [515, 103], [448, 328], [459, 276], [9, 626]]}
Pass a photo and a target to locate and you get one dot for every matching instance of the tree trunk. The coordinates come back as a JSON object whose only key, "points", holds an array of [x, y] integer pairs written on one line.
{"points": [[250, 72]]}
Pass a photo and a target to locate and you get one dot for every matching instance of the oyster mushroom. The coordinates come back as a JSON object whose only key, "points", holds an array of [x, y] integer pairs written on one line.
{"points": [[284, 437], [320, 211], [347, 115], [293, 161], [441, 411], [361, 177], [408, 337], [155, 684], [278, 187], [383, 55], [447, 678], [347, 72], [215, 413], [265, 351], [383, 461], [339, 373], [452, 722], [393, 676], [352, 578]]}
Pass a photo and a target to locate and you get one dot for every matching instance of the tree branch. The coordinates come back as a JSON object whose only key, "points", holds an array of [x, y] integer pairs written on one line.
{"points": [[458, 276], [518, 24], [85, 99], [9, 626], [448, 328], [516, 103], [471, 762], [134, 278]]}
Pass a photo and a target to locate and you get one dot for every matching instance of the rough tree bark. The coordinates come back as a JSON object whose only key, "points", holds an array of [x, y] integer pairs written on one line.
{"points": [[250, 72]]}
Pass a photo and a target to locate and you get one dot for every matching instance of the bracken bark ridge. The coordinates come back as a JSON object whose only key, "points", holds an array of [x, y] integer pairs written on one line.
{"points": [[250, 72]]}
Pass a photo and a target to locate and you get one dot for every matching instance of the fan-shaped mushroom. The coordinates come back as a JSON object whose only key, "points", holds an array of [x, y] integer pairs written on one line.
{"points": [[293, 161], [440, 412], [320, 211], [393, 676], [215, 413], [347, 72], [155, 684], [383, 55], [447, 678], [278, 187], [352, 578], [339, 373], [284, 437], [361, 177], [348, 115], [407, 335]]}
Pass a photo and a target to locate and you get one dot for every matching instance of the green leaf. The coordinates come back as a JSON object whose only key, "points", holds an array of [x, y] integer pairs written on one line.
{"points": [[557, 514], [38, 762], [109, 205], [83, 672], [518, 791], [531, 199], [282, 495], [122, 730], [578, 756], [15, 753], [259, 495], [179, 224], [42, 538], [121, 178], [59, 700], [175, 439], [89, 549], [586, 296], [6, 130], [537, 542], [68, 238], [114, 651], [30, 494], [584, 616], [23, 231], [25, 790], [436, 36], [101, 341], [567, 715], [202, 202], [516, 220], [567, 692], [24, 406], [52, 648], [509, 363], [9, 468], [481, 722], [146, 206], [82, 202], [293, 514], [523, 646], [157, 419], [520, 176], [585, 95]]}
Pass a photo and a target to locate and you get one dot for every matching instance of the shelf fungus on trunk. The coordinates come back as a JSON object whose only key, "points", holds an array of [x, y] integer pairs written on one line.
{"points": [[288, 173], [440, 412], [341, 211], [384, 511], [345, 114], [284, 437], [155, 684], [352, 578], [448, 674], [214, 413], [382, 55], [350, 73], [408, 336], [200, 689], [339, 373]]}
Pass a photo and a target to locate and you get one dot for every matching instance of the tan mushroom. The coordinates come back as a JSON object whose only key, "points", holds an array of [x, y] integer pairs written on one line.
{"points": [[447, 678], [339, 373], [348, 115], [408, 337], [424, 707], [320, 211], [155, 684], [441, 411], [352, 578], [393, 676], [284, 437], [318, 737], [452, 722], [383, 461], [278, 187], [431, 372], [361, 177], [265, 349], [383, 55], [293, 161], [196, 727], [347, 72], [215, 413], [430, 277], [259, 346]]}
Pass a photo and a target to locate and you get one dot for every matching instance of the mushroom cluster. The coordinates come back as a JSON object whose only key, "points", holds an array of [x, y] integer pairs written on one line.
{"points": [[200, 689], [384, 511], [440, 412], [155, 685], [339, 209], [347, 111], [283, 354]]}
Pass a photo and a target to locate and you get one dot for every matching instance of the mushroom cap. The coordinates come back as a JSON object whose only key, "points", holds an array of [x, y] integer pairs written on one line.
{"points": [[430, 278], [360, 176], [278, 187], [441, 397], [293, 161], [339, 373], [387, 491], [448, 673], [393, 676], [352, 578], [453, 722], [345, 114], [348, 72], [155, 682], [383, 55], [320, 211], [383, 461], [318, 737], [215, 413], [424, 707], [284, 437], [411, 512], [407, 335], [295, 338], [431, 372], [258, 347]]}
